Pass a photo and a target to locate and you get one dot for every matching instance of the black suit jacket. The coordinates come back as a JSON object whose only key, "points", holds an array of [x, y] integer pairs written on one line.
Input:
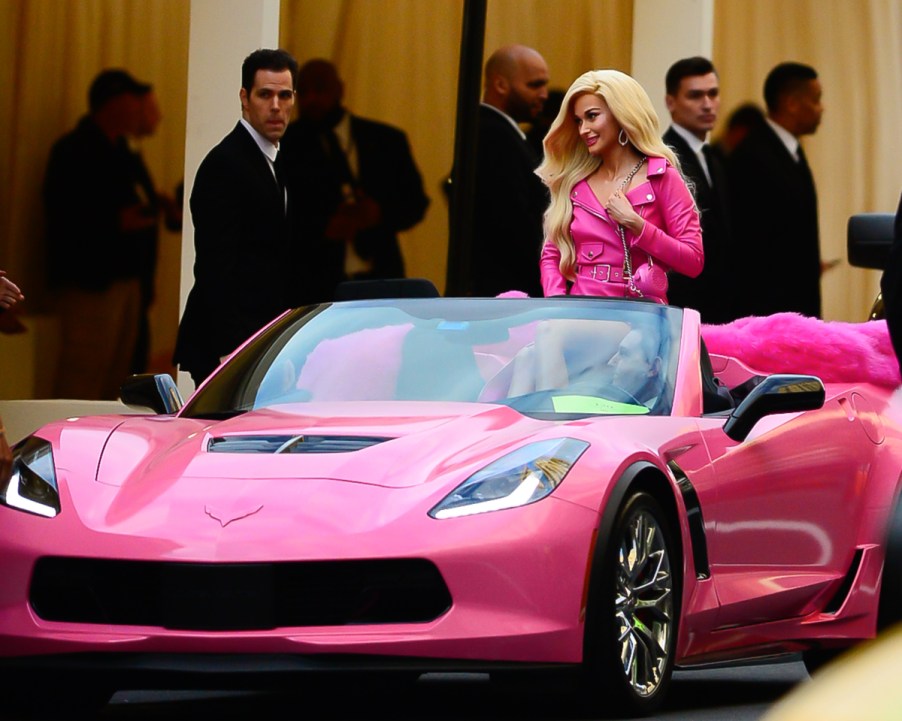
{"points": [[245, 270], [712, 292], [774, 213], [509, 203], [386, 172], [89, 181]]}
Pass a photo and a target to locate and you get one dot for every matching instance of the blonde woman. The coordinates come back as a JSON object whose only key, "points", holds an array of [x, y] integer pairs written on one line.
{"points": [[621, 215]]}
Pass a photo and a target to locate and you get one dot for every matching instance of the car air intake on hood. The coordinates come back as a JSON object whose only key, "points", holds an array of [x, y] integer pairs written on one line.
{"points": [[292, 444]]}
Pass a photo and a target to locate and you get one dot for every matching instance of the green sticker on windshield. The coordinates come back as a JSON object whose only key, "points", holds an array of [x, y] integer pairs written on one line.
{"points": [[591, 404]]}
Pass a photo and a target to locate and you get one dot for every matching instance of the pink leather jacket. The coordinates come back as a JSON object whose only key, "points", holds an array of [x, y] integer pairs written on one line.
{"points": [[671, 235]]}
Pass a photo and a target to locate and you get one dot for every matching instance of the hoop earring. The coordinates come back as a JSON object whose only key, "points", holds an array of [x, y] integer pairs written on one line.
{"points": [[622, 137]]}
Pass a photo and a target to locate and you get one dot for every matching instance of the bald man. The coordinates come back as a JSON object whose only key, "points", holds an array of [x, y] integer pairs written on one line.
{"points": [[510, 199]]}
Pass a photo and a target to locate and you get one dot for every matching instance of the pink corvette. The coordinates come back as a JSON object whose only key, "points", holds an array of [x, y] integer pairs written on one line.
{"points": [[570, 486]]}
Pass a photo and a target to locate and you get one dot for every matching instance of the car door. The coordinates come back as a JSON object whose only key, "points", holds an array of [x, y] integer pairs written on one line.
{"points": [[784, 508]]}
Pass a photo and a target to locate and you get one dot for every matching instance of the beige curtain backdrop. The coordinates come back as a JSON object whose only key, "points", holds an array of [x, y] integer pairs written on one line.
{"points": [[51, 50], [400, 59]]}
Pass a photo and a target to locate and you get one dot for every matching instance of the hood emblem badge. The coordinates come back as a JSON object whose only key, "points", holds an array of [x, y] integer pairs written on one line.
{"points": [[226, 518]]}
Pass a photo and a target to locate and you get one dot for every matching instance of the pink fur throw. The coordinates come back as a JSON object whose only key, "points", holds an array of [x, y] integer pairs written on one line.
{"points": [[834, 351]]}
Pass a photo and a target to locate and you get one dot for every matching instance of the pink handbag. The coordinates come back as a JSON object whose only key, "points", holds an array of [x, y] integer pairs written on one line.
{"points": [[651, 280], [648, 280]]}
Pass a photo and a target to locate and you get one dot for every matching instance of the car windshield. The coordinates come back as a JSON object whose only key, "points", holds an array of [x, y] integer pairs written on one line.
{"points": [[544, 357]]}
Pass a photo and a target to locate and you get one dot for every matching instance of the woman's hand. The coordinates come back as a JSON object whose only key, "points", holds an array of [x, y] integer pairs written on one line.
{"points": [[622, 213], [9, 292]]}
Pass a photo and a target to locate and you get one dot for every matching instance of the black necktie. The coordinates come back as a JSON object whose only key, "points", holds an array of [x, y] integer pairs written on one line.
{"points": [[337, 158], [708, 154], [279, 175]]}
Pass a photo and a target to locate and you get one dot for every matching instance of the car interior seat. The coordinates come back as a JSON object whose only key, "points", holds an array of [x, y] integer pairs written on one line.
{"points": [[386, 288], [716, 397]]}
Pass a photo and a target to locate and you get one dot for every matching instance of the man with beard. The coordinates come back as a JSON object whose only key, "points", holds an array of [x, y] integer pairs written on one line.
{"points": [[356, 183], [510, 199]]}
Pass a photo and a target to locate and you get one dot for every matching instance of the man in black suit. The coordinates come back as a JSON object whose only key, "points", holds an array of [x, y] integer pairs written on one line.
{"points": [[693, 99], [510, 200], [245, 269], [774, 201], [356, 182]]}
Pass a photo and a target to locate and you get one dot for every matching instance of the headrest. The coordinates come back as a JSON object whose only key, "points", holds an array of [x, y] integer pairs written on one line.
{"points": [[386, 288]]}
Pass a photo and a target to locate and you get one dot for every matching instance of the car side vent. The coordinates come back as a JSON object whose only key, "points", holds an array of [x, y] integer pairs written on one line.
{"points": [[292, 444]]}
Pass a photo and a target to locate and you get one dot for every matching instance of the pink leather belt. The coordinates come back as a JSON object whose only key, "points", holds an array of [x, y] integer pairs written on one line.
{"points": [[601, 271]]}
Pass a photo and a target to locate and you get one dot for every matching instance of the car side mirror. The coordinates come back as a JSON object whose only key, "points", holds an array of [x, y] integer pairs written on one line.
{"points": [[780, 393], [869, 238], [155, 391]]}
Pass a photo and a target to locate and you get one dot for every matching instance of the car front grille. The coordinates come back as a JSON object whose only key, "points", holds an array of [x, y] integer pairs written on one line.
{"points": [[237, 596]]}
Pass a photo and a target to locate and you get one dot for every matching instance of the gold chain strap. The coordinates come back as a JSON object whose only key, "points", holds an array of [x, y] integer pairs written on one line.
{"points": [[627, 259]]}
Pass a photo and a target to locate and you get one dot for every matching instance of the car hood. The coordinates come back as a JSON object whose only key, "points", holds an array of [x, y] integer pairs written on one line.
{"points": [[384, 444], [155, 485]]}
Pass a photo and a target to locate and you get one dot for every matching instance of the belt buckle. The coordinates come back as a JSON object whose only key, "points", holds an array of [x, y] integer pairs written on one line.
{"points": [[607, 274]]}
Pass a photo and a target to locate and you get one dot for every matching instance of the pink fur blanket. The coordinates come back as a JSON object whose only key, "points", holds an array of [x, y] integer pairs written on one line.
{"points": [[834, 351]]}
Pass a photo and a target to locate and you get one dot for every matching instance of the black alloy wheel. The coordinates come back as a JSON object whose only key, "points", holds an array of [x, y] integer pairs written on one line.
{"points": [[631, 629]]}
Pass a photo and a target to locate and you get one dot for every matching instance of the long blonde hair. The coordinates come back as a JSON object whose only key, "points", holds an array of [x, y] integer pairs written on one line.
{"points": [[567, 159]]}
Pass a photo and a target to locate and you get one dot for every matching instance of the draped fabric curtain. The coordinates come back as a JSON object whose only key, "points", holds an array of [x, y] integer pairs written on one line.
{"points": [[51, 52], [399, 60]]}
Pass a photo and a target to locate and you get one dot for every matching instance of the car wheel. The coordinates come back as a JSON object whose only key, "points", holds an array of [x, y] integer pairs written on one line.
{"points": [[631, 627], [890, 608]]}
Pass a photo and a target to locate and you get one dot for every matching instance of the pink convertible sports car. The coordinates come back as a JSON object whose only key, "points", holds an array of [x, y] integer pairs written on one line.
{"points": [[454, 484]]}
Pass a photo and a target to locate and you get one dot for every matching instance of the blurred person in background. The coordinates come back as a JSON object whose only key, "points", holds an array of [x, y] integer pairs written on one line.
{"points": [[355, 180], [773, 201], [98, 229], [158, 205]]}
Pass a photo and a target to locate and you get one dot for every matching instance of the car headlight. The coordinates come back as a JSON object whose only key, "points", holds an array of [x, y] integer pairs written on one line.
{"points": [[32, 486], [521, 477]]}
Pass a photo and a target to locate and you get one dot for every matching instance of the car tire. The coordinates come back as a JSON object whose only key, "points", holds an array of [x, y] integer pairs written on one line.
{"points": [[633, 612]]}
